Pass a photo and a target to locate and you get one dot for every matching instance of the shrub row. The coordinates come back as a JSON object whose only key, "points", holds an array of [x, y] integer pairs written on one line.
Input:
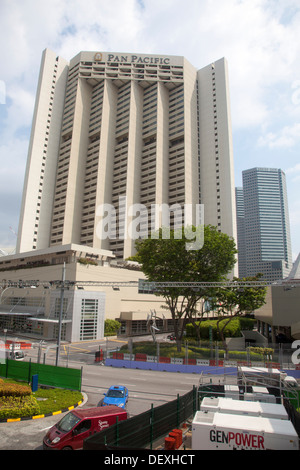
{"points": [[18, 401], [232, 330], [14, 390], [18, 407], [194, 351]]}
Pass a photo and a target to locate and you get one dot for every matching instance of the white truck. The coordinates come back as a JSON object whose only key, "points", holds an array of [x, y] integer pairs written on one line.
{"points": [[224, 431], [290, 381], [245, 408], [260, 397], [232, 391], [259, 376]]}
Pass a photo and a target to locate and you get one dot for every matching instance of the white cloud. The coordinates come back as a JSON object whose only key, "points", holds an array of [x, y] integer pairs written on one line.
{"points": [[289, 136], [19, 113], [294, 169], [259, 38], [293, 174], [295, 213], [13, 163], [260, 48]]}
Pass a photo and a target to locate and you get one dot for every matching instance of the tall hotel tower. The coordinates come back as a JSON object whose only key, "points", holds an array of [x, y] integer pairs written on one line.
{"points": [[121, 129]]}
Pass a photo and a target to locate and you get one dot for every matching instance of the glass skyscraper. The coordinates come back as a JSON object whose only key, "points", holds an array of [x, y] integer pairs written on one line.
{"points": [[264, 241]]}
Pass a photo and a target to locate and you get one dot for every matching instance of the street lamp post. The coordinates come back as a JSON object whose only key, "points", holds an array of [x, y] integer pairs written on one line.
{"points": [[60, 314]]}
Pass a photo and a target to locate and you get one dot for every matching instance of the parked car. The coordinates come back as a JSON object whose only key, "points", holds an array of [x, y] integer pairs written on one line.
{"points": [[116, 395], [17, 355], [70, 432], [171, 337]]}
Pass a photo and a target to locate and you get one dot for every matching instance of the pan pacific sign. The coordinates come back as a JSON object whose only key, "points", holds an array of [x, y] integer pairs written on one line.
{"points": [[134, 59]]}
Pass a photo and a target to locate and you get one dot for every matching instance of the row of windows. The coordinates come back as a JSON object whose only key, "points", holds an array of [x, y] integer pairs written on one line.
{"points": [[43, 165]]}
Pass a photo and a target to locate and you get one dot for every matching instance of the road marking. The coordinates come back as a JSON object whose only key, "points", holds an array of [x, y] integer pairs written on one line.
{"points": [[46, 429]]}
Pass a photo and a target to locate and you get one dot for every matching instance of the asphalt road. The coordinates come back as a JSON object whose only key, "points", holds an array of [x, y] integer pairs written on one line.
{"points": [[145, 388]]}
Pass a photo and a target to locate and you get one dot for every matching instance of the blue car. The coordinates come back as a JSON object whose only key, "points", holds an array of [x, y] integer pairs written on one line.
{"points": [[116, 395]]}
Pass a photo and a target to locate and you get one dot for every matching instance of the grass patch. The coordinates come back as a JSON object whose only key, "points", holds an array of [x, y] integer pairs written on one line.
{"points": [[51, 400]]}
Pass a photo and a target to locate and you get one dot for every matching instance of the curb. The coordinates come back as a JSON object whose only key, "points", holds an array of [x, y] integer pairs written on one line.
{"points": [[54, 413]]}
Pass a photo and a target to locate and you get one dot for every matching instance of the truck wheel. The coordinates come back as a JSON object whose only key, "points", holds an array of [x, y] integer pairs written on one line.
{"points": [[67, 448]]}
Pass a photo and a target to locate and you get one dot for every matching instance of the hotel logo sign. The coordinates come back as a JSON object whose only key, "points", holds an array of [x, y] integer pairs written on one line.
{"points": [[98, 56], [133, 59]]}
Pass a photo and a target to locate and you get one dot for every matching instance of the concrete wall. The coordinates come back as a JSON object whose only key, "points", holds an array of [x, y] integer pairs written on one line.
{"points": [[281, 308]]}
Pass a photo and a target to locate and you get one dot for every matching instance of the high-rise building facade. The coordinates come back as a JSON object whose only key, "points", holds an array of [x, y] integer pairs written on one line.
{"points": [[125, 131], [240, 223], [263, 225]]}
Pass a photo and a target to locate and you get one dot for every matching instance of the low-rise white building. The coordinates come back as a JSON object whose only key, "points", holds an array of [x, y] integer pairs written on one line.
{"points": [[96, 288]]}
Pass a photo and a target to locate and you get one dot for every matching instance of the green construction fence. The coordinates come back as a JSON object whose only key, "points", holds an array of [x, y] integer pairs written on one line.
{"points": [[143, 430], [52, 376]]}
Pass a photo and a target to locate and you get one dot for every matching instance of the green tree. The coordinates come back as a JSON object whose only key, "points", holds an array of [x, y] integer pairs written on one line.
{"points": [[169, 260], [111, 327], [238, 301]]}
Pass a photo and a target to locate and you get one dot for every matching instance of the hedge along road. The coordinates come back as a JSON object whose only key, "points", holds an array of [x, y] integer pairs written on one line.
{"points": [[145, 388]]}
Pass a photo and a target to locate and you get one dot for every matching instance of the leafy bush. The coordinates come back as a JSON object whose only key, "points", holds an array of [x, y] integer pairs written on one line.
{"points": [[262, 351], [87, 261], [14, 390], [247, 323], [18, 407], [232, 330], [111, 327], [18, 401]]}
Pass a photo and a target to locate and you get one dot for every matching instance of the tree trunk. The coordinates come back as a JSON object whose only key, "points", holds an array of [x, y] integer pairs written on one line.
{"points": [[176, 332], [221, 337]]}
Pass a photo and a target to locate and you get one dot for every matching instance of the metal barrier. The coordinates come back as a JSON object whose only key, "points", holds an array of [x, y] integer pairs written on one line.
{"points": [[214, 385]]}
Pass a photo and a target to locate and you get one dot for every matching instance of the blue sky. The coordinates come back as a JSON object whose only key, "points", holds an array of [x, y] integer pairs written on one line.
{"points": [[259, 38]]}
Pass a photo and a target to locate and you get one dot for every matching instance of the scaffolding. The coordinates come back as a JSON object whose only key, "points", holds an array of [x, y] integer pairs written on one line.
{"points": [[245, 384]]}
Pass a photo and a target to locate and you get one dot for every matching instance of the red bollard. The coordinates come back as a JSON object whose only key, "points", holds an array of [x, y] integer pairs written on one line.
{"points": [[170, 443]]}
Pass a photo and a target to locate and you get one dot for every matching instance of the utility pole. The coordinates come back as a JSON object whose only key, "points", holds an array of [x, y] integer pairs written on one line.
{"points": [[60, 313]]}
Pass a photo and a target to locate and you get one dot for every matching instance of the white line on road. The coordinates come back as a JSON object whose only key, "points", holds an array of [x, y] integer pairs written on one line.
{"points": [[46, 429], [138, 378]]}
